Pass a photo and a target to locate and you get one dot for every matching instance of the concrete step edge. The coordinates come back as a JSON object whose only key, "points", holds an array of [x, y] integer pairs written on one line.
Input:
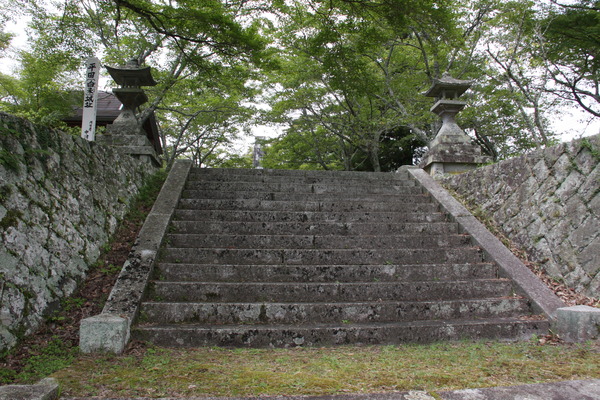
{"points": [[340, 334], [297, 196], [391, 241], [525, 319], [290, 172], [325, 311], [321, 228], [326, 291], [324, 273], [319, 256]]}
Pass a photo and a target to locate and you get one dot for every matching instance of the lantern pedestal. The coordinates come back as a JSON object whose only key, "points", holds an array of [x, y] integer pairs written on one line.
{"points": [[136, 145]]}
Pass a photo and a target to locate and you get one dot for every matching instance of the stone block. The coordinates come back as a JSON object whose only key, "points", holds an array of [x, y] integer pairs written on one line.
{"points": [[552, 154], [578, 323], [594, 287], [577, 279], [570, 185], [104, 333], [559, 230], [585, 161], [585, 233], [594, 206], [575, 211], [561, 168], [46, 389], [541, 171], [515, 172], [589, 259], [589, 188]]}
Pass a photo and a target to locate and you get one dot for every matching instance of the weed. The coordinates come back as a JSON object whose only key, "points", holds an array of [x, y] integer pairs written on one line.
{"points": [[73, 303], [49, 358], [10, 219], [56, 317], [146, 196], [586, 144], [10, 161], [5, 192], [110, 269]]}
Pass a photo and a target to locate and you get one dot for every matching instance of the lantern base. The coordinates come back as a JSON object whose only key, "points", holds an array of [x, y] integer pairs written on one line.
{"points": [[137, 146], [451, 152]]}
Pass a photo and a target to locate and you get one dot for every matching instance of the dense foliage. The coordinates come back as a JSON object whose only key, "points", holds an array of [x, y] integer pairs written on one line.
{"points": [[343, 79]]}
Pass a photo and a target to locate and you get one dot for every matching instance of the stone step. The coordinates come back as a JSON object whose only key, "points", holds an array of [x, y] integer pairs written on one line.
{"points": [[232, 174], [324, 273], [406, 196], [305, 216], [286, 258], [327, 292], [306, 228], [421, 204], [395, 187], [315, 241], [321, 256], [302, 313], [257, 336], [305, 180]]}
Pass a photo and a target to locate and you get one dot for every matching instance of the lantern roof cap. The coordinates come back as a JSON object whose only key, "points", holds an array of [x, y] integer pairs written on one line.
{"points": [[131, 74], [446, 85]]}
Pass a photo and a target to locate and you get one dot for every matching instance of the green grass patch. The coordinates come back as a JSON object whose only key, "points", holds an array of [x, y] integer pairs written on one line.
{"points": [[144, 200], [43, 361], [159, 372]]}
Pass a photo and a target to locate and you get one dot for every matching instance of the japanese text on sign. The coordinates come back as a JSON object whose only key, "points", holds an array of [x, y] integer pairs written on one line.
{"points": [[90, 98]]}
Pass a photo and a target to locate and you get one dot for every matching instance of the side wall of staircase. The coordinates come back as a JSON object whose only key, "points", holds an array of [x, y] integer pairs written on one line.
{"points": [[548, 203], [60, 200]]}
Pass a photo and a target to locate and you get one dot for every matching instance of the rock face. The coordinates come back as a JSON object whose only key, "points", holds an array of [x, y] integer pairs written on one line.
{"points": [[265, 258], [548, 203], [60, 200]]}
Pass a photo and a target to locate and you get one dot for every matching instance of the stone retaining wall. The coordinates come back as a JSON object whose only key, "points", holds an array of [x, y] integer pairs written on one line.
{"points": [[547, 203], [60, 200]]}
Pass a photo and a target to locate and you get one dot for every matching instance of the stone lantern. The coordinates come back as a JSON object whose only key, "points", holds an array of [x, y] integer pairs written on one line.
{"points": [[451, 151], [126, 132]]}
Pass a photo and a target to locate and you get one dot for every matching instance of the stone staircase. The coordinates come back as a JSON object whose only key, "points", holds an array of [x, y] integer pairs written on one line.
{"points": [[265, 258]]}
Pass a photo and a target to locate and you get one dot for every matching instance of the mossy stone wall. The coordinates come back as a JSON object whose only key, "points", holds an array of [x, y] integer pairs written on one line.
{"points": [[60, 200], [548, 203]]}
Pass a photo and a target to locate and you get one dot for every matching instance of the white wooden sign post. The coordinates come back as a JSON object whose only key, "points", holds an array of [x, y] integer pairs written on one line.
{"points": [[90, 99]]}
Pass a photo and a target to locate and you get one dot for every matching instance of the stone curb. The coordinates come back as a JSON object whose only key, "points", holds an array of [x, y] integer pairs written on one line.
{"points": [[544, 300], [110, 330], [566, 390], [46, 389]]}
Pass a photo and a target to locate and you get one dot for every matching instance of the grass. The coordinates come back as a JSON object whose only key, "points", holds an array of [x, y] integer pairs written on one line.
{"points": [[159, 372], [43, 360]]}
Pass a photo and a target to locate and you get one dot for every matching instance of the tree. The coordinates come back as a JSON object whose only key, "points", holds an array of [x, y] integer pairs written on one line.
{"points": [[510, 101], [355, 77], [570, 51], [202, 54], [346, 76], [305, 146], [41, 90]]}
